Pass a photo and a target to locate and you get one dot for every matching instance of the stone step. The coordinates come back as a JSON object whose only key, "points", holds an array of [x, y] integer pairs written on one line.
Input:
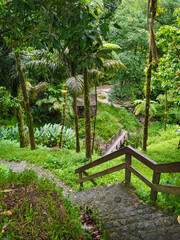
{"points": [[124, 218]]}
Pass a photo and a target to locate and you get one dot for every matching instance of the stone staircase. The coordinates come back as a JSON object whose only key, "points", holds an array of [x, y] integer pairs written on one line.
{"points": [[123, 217]]}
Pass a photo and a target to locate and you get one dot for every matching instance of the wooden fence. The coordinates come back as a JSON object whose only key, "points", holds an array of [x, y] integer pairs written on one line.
{"points": [[130, 152]]}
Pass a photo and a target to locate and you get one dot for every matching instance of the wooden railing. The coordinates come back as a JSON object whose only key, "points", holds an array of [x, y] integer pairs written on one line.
{"points": [[130, 152]]}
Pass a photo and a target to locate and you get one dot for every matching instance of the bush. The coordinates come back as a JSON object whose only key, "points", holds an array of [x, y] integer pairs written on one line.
{"points": [[48, 135], [102, 96], [172, 132], [135, 138]]}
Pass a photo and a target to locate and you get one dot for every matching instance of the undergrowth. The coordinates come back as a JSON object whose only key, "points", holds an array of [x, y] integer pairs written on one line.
{"points": [[32, 208], [63, 163]]}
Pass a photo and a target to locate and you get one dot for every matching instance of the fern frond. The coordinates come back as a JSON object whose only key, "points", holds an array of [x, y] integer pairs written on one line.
{"points": [[139, 108]]}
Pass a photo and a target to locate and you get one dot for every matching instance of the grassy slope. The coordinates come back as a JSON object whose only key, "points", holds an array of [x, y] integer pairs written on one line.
{"points": [[63, 163], [162, 148], [36, 209], [124, 117], [106, 125]]}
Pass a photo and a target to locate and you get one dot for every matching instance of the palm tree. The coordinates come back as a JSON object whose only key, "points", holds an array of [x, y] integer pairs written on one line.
{"points": [[26, 100], [75, 84], [109, 64]]}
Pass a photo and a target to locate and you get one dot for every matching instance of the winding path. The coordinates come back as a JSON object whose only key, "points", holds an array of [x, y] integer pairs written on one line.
{"points": [[21, 166], [117, 207]]}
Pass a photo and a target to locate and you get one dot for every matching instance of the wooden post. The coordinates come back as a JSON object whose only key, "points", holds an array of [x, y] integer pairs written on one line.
{"points": [[127, 171], [80, 177], [156, 179]]}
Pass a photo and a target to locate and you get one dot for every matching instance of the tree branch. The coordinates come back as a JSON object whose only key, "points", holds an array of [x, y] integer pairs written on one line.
{"points": [[4, 31], [6, 51]]}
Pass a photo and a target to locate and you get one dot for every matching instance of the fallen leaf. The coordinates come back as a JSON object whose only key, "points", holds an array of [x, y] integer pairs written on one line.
{"points": [[178, 219]]}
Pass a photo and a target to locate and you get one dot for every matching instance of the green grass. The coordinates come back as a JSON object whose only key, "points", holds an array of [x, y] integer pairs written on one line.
{"points": [[101, 96], [35, 208], [124, 117], [63, 163], [106, 126]]}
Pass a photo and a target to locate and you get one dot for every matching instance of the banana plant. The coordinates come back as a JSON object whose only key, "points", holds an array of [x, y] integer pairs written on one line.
{"points": [[141, 104]]}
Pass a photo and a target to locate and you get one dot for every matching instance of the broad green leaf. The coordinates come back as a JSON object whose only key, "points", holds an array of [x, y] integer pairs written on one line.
{"points": [[83, 43]]}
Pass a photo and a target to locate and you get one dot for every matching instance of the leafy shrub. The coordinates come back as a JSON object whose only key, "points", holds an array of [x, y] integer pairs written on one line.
{"points": [[174, 115], [135, 138], [48, 135], [8, 133], [173, 131], [154, 128]]}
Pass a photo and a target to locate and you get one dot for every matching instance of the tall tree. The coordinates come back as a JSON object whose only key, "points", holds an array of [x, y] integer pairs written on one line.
{"points": [[82, 38], [75, 84], [26, 100], [17, 26], [151, 9], [132, 36]]}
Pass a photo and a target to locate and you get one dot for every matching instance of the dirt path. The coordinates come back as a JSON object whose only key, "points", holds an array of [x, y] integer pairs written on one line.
{"points": [[105, 90], [21, 166]]}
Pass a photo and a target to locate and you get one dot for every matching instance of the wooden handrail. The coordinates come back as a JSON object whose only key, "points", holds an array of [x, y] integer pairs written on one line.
{"points": [[101, 160], [168, 167], [129, 152], [141, 157]]}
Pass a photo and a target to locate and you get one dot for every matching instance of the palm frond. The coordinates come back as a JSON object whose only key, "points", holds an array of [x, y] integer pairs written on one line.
{"points": [[113, 65], [139, 108], [75, 83], [104, 53], [112, 47], [95, 74]]}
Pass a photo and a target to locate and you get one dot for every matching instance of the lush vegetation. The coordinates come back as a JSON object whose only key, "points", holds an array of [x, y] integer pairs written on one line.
{"points": [[52, 52], [161, 149], [125, 118], [48, 135]]}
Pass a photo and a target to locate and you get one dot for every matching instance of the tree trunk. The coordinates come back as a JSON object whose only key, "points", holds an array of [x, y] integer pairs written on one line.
{"points": [[73, 73], [26, 101], [152, 54], [87, 113], [166, 110], [63, 121], [76, 123], [20, 127], [148, 93], [94, 129]]}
